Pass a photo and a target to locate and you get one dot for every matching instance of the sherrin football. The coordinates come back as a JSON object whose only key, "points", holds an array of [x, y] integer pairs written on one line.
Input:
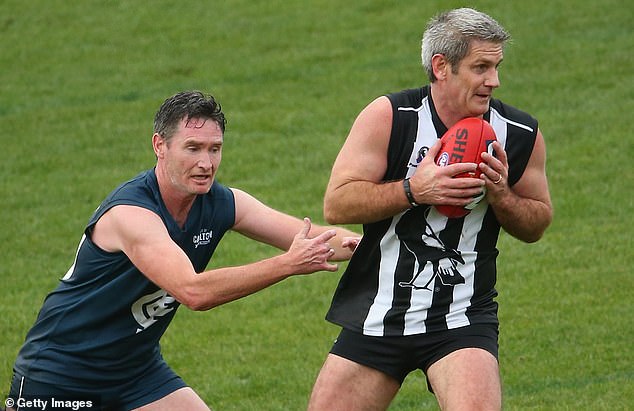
{"points": [[464, 142]]}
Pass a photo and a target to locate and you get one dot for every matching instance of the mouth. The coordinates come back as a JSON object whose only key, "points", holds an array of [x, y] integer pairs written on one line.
{"points": [[201, 178]]}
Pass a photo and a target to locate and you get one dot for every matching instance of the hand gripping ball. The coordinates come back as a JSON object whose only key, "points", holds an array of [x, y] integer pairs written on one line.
{"points": [[464, 142]]}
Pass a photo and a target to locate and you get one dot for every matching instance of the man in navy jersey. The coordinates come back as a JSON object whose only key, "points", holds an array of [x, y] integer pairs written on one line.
{"points": [[419, 292], [143, 253]]}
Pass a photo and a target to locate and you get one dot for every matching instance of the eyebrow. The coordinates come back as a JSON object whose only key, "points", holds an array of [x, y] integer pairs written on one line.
{"points": [[488, 61]]}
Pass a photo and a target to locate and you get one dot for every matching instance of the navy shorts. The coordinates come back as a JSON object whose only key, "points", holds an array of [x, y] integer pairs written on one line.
{"points": [[398, 356], [155, 383]]}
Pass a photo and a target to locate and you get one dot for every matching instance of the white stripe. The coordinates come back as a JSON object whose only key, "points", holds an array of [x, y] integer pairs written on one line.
{"points": [[496, 114], [422, 299], [71, 270], [499, 125], [425, 134], [373, 324], [462, 293], [20, 391], [412, 108]]}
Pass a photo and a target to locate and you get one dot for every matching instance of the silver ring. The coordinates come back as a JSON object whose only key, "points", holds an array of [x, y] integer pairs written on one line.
{"points": [[498, 180]]}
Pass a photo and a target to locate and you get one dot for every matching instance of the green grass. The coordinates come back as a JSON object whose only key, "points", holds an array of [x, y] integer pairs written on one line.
{"points": [[80, 82]]}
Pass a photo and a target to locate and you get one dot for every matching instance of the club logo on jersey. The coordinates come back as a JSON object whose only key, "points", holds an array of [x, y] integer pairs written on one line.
{"points": [[422, 152], [428, 248], [202, 238], [148, 309]]}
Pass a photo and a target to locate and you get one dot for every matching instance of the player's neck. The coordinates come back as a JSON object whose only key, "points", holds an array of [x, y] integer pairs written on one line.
{"points": [[443, 107], [177, 202]]}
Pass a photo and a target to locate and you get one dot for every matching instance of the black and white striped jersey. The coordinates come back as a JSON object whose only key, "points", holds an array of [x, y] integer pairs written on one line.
{"points": [[420, 271]]}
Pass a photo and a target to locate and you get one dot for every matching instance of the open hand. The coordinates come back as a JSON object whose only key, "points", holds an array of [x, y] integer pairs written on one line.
{"points": [[309, 255]]}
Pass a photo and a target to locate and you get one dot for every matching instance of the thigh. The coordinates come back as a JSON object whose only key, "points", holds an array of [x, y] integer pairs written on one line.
{"points": [[466, 379], [153, 385], [181, 399], [345, 385]]}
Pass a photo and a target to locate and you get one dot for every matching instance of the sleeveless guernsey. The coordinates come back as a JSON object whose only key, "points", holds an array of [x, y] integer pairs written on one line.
{"points": [[103, 322], [420, 271]]}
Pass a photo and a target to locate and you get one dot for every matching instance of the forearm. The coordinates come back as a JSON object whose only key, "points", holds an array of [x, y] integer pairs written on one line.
{"points": [[523, 218], [211, 288], [215, 287], [361, 202]]}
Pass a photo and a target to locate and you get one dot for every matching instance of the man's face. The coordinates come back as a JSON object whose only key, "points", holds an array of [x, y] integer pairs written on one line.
{"points": [[471, 87], [192, 156]]}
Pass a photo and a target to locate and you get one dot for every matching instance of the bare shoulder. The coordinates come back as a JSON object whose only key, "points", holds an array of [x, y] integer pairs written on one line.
{"points": [[375, 119], [364, 153], [122, 223]]}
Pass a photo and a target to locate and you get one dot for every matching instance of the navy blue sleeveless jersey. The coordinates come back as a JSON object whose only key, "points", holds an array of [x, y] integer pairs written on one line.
{"points": [[104, 320], [420, 271]]}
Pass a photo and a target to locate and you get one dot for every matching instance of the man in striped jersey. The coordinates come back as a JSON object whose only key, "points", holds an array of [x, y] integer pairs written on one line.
{"points": [[419, 292]]}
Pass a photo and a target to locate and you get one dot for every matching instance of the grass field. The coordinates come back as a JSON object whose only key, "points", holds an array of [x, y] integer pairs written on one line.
{"points": [[81, 80]]}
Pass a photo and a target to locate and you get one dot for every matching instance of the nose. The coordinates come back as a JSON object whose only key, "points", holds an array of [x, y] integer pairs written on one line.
{"points": [[205, 162], [492, 79]]}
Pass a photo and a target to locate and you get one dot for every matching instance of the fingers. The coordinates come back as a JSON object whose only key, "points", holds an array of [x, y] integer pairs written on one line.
{"points": [[434, 150], [312, 254], [326, 235], [490, 176], [322, 239], [500, 153], [330, 267], [455, 169], [306, 229], [496, 160], [350, 242], [494, 168]]}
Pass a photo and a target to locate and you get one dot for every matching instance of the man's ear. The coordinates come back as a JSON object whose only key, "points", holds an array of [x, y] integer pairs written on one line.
{"points": [[158, 145], [440, 66]]}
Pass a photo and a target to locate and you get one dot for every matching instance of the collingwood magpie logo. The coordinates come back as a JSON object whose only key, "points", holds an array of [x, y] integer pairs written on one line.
{"points": [[202, 238], [428, 249], [422, 152]]}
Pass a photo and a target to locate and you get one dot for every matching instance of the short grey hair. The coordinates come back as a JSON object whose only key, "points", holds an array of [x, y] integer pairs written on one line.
{"points": [[450, 34]]}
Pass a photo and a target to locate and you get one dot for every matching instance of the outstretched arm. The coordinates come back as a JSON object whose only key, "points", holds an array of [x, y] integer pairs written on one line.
{"points": [[267, 225], [142, 236]]}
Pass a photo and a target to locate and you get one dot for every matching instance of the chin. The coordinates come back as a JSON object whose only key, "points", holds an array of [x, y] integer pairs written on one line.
{"points": [[203, 190], [198, 189], [479, 112]]}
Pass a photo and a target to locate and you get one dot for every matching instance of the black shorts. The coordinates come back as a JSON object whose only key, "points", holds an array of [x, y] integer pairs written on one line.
{"points": [[153, 385], [398, 356]]}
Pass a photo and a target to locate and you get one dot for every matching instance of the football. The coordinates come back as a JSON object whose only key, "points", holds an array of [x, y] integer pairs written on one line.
{"points": [[464, 142]]}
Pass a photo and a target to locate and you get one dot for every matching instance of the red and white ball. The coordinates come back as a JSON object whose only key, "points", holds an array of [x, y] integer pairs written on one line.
{"points": [[465, 142]]}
